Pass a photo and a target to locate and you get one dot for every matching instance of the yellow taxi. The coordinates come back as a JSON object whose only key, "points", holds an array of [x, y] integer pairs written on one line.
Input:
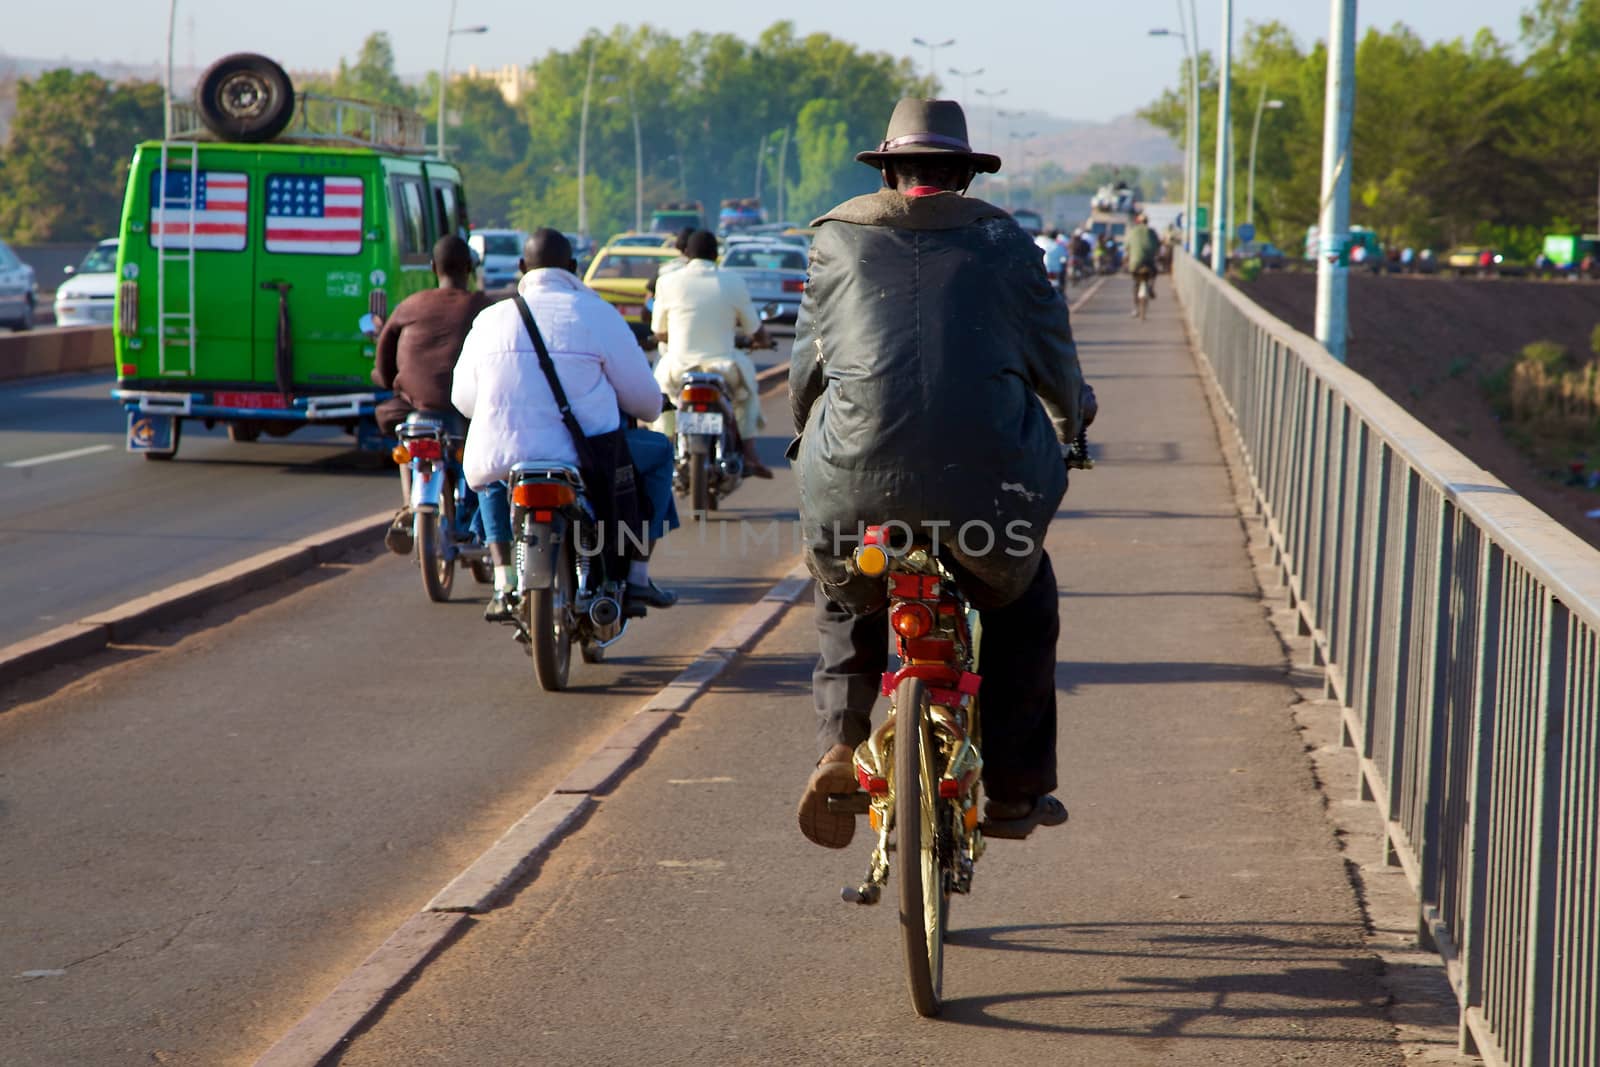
{"points": [[635, 239], [620, 274]]}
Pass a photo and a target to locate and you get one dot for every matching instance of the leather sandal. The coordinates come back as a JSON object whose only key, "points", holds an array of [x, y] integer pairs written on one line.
{"points": [[835, 774], [1014, 821]]}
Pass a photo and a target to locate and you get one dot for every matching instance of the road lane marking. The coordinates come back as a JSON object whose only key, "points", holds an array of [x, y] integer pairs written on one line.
{"points": [[698, 781], [74, 454]]}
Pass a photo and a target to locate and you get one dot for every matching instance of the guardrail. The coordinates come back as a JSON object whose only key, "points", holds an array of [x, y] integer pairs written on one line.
{"points": [[1459, 627]]}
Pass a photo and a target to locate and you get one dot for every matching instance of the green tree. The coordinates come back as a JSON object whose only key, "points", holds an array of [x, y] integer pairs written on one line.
{"points": [[372, 76], [62, 175], [822, 145]]}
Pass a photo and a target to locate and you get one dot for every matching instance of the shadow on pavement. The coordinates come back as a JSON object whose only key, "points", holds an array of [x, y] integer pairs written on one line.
{"points": [[1069, 676]]}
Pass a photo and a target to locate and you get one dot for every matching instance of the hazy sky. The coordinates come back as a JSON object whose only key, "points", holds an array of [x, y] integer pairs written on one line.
{"points": [[1088, 59]]}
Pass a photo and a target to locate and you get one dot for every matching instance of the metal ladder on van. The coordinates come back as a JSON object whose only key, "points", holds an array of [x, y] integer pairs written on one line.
{"points": [[181, 322]]}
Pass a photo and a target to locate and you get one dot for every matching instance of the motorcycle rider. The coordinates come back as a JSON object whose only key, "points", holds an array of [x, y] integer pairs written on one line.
{"points": [[499, 386], [417, 352], [934, 384], [699, 310], [1143, 249]]}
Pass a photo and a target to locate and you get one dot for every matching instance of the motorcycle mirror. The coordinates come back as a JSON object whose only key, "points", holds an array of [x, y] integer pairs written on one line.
{"points": [[768, 311], [69, 269], [369, 326]]}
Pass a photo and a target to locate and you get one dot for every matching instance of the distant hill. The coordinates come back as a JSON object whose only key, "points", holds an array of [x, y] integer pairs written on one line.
{"points": [[1075, 145]]}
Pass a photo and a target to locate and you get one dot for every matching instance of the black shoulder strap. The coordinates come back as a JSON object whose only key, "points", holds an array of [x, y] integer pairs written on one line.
{"points": [[548, 365]]}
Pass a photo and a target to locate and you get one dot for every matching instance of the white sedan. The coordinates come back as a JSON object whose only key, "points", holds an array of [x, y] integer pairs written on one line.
{"points": [[773, 271], [88, 296]]}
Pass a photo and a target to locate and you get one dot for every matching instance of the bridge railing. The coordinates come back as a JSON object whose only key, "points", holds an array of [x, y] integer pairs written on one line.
{"points": [[1459, 628]]}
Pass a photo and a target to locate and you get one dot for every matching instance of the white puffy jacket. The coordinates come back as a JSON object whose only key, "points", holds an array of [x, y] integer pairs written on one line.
{"points": [[499, 386]]}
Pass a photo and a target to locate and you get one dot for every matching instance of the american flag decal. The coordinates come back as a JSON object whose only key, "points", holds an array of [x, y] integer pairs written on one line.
{"points": [[316, 214], [218, 210]]}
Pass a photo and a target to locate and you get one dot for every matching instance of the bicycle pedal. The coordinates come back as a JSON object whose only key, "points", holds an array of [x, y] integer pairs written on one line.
{"points": [[857, 803], [867, 894]]}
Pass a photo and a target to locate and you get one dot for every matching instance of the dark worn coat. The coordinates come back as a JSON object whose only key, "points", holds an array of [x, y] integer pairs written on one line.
{"points": [[933, 379]]}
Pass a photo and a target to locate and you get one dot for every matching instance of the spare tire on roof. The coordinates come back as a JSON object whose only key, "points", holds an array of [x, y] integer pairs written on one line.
{"points": [[245, 97]]}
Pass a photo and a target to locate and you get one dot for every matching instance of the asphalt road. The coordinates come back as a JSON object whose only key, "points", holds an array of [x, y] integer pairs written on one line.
{"points": [[206, 831], [212, 829], [85, 526]]}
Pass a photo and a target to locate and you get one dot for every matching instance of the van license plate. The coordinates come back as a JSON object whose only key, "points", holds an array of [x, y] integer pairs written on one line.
{"points": [[268, 401], [700, 422]]}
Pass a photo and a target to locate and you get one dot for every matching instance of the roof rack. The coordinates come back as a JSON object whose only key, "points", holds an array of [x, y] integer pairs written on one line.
{"points": [[327, 120]]}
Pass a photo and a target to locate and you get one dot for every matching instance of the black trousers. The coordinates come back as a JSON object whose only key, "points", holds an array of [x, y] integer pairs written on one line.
{"points": [[1017, 700]]}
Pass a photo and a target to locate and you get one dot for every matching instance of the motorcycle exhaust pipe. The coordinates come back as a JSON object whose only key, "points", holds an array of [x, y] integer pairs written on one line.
{"points": [[605, 612]]}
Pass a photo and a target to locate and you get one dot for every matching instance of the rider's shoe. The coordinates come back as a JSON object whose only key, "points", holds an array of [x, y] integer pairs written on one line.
{"points": [[397, 538], [752, 462], [1014, 820], [501, 607], [650, 594], [835, 773]]}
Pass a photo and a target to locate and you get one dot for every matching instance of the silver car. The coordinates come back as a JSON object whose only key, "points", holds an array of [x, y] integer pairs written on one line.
{"points": [[17, 291], [773, 271]]}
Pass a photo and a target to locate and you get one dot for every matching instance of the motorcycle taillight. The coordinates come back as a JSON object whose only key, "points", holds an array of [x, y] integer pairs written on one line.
{"points": [[699, 394], [424, 448]]}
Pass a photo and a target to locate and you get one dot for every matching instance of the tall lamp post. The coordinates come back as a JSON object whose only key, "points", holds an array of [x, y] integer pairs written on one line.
{"points": [[583, 147], [1333, 276], [1020, 157], [1220, 223], [451, 31], [965, 76], [991, 96], [933, 68], [638, 153], [1262, 104], [1191, 146]]}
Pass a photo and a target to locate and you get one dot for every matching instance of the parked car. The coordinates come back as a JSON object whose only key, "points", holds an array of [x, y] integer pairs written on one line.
{"points": [[773, 271], [89, 295], [499, 251], [620, 275], [17, 291]]}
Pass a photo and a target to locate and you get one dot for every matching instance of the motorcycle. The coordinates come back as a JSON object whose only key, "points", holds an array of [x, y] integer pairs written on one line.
{"points": [[564, 596], [442, 505], [710, 449]]}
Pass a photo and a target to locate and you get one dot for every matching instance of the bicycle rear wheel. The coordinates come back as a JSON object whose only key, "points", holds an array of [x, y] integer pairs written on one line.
{"points": [[917, 865]]}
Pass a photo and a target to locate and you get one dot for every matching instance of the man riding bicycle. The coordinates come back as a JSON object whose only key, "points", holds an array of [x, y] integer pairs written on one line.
{"points": [[1143, 251], [934, 381]]}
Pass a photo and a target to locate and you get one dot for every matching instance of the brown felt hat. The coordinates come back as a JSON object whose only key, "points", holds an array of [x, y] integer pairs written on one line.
{"points": [[928, 128]]}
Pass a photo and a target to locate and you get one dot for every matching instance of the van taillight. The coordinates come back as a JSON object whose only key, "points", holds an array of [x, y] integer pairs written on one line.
{"points": [[128, 308], [378, 304], [794, 285]]}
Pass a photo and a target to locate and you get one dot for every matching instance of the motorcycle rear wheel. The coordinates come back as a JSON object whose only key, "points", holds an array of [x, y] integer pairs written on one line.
{"points": [[700, 483], [438, 566], [923, 902], [550, 622]]}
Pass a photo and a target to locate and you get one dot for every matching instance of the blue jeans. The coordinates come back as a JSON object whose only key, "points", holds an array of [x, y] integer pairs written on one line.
{"points": [[494, 513], [652, 460]]}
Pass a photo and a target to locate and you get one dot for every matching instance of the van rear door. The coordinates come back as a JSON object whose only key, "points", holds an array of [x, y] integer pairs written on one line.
{"points": [[319, 256]]}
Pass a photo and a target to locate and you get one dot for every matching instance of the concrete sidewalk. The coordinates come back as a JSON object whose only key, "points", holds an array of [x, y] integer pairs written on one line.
{"points": [[1196, 910]]}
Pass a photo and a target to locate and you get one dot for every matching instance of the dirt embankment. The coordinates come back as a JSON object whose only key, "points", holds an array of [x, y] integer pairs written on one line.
{"points": [[1432, 344]]}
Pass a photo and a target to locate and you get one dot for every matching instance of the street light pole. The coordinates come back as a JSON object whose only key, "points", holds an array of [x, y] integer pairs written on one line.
{"points": [[933, 69], [166, 104], [1219, 225], [638, 164], [1333, 277], [783, 176], [444, 69], [1262, 104], [1191, 136], [965, 76], [991, 97], [583, 147], [1020, 157]]}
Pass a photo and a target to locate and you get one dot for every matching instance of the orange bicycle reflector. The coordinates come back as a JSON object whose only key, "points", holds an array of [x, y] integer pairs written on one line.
{"points": [[401, 454], [911, 620], [542, 494], [700, 394], [871, 560]]}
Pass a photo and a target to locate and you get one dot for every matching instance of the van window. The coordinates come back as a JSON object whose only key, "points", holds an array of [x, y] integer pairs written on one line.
{"points": [[205, 211], [411, 221], [314, 214], [447, 204], [612, 265]]}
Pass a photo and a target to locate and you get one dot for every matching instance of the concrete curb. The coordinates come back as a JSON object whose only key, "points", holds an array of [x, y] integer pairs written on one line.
{"points": [[331, 1024], [69, 350], [358, 998], [126, 621]]}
